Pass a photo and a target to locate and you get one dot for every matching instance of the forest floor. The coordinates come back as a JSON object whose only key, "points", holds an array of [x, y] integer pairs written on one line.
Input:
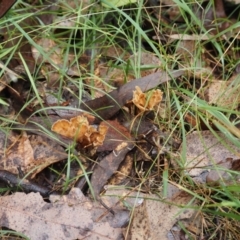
{"points": [[120, 120]]}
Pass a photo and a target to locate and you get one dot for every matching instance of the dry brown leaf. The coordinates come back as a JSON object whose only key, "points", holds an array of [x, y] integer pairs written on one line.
{"points": [[114, 51], [154, 219], [192, 37], [54, 60], [224, 93], [149, 63], [190, 58], [30, 153], [108, 166], [114, 76], [78, 128], [65, 218], [236, 165], [106, 78], [115, 135], [220, 172], [123, 172], [50, 48], [140, 228], [193, 225], [147, 101], [204, 151], [82, 6], [100, 84], [120, 195]]}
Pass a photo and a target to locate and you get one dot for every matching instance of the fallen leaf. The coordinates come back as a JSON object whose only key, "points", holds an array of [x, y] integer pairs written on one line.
{"points": [[220, 173], [192, 37], [149, 62], [204, 151], [123, 171], [70, 6], [108, 166], [115, 135], [191, 58], [99, 85], [115, 51], [65, 218], [224, 93], [154, 218], [116, 77], [236, 165], [50, 57], [30, 153], [5, 6], [51, 49], [120, 195]]}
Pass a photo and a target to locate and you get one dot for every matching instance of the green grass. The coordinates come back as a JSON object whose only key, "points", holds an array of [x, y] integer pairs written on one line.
{"points": [[92, 32]]}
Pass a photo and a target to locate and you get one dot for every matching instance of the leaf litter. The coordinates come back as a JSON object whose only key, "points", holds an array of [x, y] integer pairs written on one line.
{"points": [[209, 154], [112, 127], [153, 219], [68, 217], [30, 153]]}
